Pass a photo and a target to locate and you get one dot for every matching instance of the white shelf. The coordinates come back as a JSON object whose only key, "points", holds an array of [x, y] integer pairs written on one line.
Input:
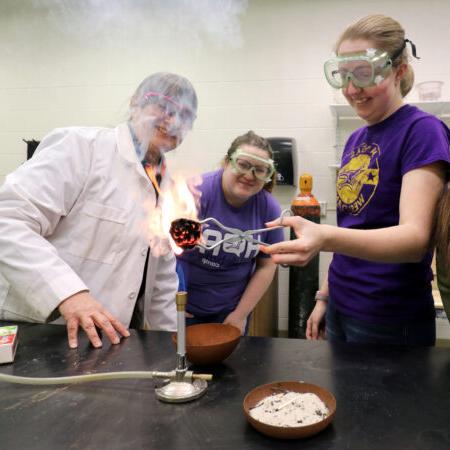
{"points": [[439, 108], [343, 112]]}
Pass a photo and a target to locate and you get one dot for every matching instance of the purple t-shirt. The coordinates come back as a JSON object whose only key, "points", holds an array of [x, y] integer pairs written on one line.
{"points": [[368, 196], [217, 278]]}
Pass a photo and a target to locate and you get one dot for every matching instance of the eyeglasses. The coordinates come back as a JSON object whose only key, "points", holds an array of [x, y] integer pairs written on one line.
{"points": [[171, 108], [241, 166]]}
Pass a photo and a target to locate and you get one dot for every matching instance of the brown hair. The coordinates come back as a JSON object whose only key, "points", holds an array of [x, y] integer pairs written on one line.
{"points": [[251, 138], [386, 34], [442, 233]]}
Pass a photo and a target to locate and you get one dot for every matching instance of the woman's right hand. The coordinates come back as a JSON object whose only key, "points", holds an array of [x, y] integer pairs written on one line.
{"points": [[297, 252], [314, 329], [82, 310]]}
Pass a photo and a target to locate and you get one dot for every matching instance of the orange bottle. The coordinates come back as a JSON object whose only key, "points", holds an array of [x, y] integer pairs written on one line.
{"points": [[303, 281], [305, 204]]}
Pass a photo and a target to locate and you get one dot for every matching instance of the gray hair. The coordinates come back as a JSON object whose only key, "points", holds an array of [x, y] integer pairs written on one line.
{"points": [[179, 88]]}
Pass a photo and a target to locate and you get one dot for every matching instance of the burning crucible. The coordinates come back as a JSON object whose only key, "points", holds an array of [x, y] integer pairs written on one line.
{"points": [[186, 233]]}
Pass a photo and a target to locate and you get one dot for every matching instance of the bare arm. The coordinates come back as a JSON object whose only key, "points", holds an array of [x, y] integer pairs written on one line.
{"points": [[257, 286], [405, 242]]}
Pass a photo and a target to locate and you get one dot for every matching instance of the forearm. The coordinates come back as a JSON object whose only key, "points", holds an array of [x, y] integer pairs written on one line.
{"points": [[401, 243], [256, 288], [40, 278], [324, 285], [406, 242], [33, 200]]}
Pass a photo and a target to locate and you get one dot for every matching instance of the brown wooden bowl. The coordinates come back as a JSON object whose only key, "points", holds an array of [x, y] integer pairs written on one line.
{"points": [[210, 343], [265, 390]]}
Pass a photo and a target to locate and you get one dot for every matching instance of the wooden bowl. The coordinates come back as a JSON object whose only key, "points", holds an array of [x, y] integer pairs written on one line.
{"points": [[263, 391], [210, 343]]}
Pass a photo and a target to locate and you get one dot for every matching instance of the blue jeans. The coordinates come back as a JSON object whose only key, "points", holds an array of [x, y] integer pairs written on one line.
{"points": [[343, 328], [215, 318]]}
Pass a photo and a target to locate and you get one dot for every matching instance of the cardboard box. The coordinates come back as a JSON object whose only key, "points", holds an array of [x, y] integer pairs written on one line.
{"points": [[8, 343]]}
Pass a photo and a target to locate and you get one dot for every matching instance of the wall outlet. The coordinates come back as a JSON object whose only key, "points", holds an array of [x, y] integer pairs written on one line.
{"points": [[323, 208]]}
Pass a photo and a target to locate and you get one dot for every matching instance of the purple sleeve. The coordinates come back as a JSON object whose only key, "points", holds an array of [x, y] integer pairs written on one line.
{"points": [[427, 142]]}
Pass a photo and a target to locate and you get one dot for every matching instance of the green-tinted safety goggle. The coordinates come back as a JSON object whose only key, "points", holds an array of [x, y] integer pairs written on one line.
{"points": [[241, 165], [363, 69]]}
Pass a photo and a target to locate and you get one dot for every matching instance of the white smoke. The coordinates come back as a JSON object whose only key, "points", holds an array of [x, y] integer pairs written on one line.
{"points": [[190, 21]]}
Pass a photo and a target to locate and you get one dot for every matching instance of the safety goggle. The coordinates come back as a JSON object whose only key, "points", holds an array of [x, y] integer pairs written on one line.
{"points": [[242, 166], [170, 107], [363, 69]]}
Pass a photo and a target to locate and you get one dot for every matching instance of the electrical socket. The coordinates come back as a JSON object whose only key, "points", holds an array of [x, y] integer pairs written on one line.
{"points": [[323, 208]]}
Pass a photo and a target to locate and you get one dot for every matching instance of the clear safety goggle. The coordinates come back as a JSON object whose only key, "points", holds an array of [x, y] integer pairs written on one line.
{"points": [[241, 165], [363, 69]]}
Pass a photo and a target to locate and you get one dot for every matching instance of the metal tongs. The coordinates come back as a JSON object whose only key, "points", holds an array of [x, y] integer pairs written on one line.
{"points": [[236, 235]]}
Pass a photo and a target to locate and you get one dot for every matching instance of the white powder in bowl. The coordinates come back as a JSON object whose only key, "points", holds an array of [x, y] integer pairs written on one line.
{"points": [[290, 409]]}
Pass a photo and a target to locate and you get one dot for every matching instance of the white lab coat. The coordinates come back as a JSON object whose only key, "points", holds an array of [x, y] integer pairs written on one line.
{"points": [[75, 217]]}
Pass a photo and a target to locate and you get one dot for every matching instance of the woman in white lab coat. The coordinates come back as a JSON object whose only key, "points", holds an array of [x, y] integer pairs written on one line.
{"points": [[75, 240]]}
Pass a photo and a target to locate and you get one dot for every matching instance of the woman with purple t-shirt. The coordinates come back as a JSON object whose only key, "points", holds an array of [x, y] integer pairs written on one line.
{"points": [[226, 283], [442, 238], [391, 176]]}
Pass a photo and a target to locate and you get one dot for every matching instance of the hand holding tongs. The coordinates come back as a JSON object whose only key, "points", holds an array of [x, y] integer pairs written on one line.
{"points": [[236, 236]]}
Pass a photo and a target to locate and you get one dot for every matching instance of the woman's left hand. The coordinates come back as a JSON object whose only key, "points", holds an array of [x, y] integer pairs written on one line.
{"points": [[314, 326], [237, 321], [298, 252]]}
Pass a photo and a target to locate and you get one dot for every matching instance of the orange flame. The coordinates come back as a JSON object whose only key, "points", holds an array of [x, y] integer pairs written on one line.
{"points": [[177, 202], [151, 174]]}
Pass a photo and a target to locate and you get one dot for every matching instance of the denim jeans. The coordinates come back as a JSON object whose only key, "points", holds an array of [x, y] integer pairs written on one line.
{"points": [[343, 328]]}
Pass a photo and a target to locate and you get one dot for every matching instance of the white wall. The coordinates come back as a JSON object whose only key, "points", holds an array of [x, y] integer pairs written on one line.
{"points": [[78, 65]]}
